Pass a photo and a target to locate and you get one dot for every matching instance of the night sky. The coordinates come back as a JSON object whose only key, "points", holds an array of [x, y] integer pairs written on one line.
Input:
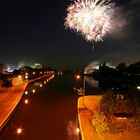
{"points": [[33, 31]]}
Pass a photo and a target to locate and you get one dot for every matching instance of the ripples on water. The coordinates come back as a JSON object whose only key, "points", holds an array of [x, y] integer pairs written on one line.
{"points": [[73, 131]]}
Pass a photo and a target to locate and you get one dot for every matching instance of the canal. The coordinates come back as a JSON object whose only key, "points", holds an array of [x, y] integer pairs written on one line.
{"points": [[47, 111]]}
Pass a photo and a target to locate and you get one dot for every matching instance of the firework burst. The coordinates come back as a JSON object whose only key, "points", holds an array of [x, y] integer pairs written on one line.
{"points": [[91, 18]]}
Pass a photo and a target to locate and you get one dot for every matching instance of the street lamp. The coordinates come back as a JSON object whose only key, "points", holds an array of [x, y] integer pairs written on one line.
{"points": [[81, 90]]}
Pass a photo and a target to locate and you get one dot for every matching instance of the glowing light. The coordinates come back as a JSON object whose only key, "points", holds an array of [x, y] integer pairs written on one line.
{"points": [[26, 73], [33, 90], [26, 76], [73, 130], [138, 87], [10, 68], [41, 85], [19, 131], [34, 73], [26, 101], [78, 76], [26, 92], [121, 118], [91, 18], [45, 82], [19, 76], [77, 130]]}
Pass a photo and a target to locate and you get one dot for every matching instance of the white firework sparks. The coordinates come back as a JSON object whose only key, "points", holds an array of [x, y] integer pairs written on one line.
{"points": [[91, 18]]}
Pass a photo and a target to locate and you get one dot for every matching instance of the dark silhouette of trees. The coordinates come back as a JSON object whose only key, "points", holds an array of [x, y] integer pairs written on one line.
{"points": [[121, 66], [1, 68], [122, 77]]}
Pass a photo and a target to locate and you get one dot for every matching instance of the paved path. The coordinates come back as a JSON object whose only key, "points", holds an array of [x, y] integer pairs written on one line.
{"points": [[86, 107], [10, 97]]}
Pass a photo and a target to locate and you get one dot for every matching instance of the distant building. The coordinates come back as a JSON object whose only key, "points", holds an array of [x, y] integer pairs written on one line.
{"points": [[37, 66], [9, 68]]}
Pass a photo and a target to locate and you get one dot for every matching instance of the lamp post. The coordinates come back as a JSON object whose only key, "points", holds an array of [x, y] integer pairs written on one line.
{"points": [[81, 90]]}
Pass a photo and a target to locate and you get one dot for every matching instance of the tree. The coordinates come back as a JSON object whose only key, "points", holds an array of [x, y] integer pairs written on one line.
{"points": [[121, 66], [1, 68]]}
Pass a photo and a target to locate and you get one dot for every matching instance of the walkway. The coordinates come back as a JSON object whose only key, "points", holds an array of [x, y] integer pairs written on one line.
{"points": [[10, 97], [87, 105]]}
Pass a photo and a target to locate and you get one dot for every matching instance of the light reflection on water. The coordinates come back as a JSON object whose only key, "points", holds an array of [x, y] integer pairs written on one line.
{"points": [[91, 81], [73, 130]]}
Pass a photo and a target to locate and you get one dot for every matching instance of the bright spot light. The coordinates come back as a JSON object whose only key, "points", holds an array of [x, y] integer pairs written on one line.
{"points": [[19, 130], [121, 118], [73, 130], [26, 101], [78, 76], [26, 73], [33, 72], [33, 90], [19, 76], [41, 85], [44, 82], [138, 87], [26, 92], [77, 130], [26, 76]]}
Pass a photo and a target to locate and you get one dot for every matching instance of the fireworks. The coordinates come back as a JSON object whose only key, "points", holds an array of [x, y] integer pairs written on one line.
{"points": [[91, 18]]}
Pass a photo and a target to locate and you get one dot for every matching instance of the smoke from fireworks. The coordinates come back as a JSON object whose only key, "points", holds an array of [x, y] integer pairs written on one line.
{"points": [[91, 18]]}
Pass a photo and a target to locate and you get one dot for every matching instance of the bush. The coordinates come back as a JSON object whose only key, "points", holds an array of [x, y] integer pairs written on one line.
{"points": [[99, 122]]}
